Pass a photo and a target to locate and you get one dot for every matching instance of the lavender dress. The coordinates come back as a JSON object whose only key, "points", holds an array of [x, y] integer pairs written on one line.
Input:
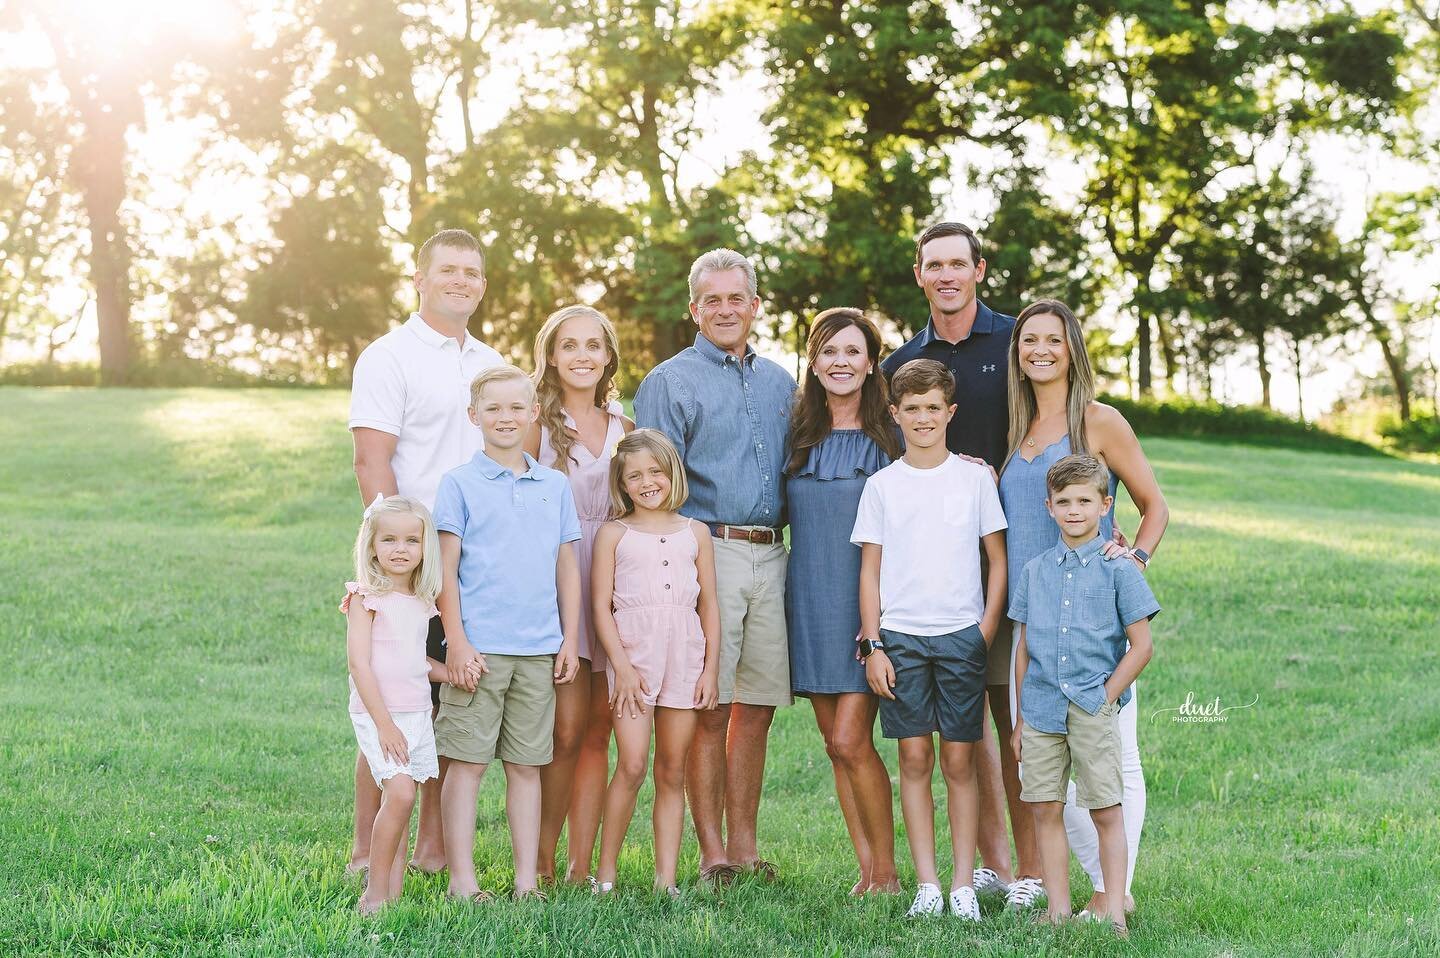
{"points": [[590, 485]]}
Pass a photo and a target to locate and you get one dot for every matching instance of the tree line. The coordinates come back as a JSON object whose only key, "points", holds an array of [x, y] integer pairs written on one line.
{"points": [[1188, 131]]}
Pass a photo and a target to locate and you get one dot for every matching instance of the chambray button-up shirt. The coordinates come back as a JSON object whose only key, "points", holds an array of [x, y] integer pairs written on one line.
{"points": [[729, 419], [1075, 604]]}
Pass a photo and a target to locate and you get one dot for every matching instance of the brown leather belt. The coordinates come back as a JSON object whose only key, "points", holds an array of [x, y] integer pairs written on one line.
{"points": [[762, 537]]}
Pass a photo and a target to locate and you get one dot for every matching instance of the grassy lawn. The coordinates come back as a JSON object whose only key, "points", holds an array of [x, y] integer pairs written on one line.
{"points": [[177, 756]]}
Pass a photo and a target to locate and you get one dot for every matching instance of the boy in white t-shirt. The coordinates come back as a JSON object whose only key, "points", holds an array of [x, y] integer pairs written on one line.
{"points": [[925, 627]]}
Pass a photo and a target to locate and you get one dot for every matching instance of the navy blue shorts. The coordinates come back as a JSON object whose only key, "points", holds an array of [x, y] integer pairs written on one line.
{"points": [[939, 685]]}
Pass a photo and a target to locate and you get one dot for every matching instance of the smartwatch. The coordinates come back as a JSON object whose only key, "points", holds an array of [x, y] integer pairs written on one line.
{"points": [[867, 646], [1142, 555]]}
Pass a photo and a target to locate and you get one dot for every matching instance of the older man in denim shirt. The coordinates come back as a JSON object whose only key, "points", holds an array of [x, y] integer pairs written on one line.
{"points": [[728, 412]]}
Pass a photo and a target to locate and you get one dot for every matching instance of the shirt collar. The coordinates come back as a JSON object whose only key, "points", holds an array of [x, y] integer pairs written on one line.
{"points": [[435, 339], [984, 323], [491, 469], [1084, 553], [719, 356]]}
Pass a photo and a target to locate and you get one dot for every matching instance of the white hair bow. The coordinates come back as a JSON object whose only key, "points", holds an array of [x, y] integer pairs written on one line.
{"points": [[375, 504]]}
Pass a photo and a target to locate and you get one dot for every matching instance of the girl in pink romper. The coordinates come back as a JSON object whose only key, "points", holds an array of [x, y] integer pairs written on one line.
{"points": [[576, 356], [657, 617]]}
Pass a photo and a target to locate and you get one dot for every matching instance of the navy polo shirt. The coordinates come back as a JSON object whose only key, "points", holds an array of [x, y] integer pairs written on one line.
{"points": [[979, 363]]}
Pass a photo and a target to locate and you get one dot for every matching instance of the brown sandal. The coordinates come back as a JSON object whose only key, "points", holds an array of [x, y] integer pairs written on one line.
{"points": [[719, 875]]}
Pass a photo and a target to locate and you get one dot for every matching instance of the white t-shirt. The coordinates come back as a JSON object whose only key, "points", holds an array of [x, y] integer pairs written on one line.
{"points": [[928, 523], [414, 383]]}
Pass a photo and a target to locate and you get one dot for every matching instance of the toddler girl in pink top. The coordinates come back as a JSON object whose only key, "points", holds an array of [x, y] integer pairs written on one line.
{"points": [[656, 615], [387, 610]]}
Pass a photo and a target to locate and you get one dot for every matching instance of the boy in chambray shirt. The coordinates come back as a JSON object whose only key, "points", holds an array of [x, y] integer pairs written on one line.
{"points": [[1076, 611]]}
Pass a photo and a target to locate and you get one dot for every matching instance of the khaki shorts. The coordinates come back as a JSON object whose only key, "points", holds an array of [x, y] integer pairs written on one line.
{"points": [[754, 646], [511, 713], [1092, 744]]}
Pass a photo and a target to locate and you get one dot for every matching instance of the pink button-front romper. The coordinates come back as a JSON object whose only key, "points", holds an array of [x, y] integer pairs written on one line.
{"points": [[656, 589]]}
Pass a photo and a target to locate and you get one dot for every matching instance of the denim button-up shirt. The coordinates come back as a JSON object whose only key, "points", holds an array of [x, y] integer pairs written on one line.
{"points": [[729, 418], [1075, 604]]}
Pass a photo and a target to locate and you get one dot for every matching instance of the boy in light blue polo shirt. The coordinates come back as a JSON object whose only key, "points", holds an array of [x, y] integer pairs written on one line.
{"points": [[1076, 611], [510, 606]]}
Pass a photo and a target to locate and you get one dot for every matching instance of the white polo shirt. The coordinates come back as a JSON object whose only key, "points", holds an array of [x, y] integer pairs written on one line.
{"points": [[928, 524], [414, 383]]}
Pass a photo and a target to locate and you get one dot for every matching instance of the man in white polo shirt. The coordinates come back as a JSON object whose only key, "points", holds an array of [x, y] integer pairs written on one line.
{"points": [[408, 418]]}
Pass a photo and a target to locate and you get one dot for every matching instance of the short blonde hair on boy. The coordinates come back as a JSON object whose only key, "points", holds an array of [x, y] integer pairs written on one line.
{"points": [[1078, 470], [658, 445], [496, 374], [425, 581]]}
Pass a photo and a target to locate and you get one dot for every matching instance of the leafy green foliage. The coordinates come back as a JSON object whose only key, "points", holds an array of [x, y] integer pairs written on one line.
{"points": [[1195, 419]]}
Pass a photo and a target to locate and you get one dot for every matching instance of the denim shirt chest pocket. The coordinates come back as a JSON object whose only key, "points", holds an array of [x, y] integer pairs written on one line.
{"points": [[1097, 607]]}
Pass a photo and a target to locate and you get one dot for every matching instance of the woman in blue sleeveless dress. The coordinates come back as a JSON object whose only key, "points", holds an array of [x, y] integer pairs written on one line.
{"points": [[839, 436], [1053, 413]]}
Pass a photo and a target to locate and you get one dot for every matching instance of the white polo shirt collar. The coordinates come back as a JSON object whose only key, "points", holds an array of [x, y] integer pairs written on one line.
{"points": [[432, 337]]}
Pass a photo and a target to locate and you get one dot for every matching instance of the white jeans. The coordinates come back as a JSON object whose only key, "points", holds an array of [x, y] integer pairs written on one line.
{"points": [[1079, 829]]}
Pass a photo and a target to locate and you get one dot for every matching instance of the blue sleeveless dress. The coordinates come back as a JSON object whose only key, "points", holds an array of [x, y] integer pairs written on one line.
{"points": [[1022, 496], [822, 584]]}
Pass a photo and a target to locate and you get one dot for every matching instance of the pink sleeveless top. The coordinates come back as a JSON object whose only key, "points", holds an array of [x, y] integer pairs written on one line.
{"points": [[657, 585], [590, 486], [397, 648]]}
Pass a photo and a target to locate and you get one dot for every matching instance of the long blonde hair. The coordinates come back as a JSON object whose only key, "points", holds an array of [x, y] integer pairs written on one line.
{"points": [[425, 580], [1022, 392], [548, 391]]}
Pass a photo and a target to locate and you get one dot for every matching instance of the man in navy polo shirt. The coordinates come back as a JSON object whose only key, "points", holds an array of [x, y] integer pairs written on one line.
{"points": [[973, 341], [970, 338]]}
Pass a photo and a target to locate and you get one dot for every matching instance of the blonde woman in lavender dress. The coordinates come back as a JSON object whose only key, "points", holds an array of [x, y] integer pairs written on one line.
{"points": [[576, 356]]}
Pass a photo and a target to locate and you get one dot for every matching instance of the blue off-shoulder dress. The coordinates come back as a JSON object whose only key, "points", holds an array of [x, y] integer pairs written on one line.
{"points": [[822, 585]]}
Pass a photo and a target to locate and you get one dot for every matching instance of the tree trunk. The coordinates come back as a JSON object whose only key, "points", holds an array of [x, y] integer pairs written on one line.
{"points": [[1264, 363], [1142, 350], [467, 73], [1299, 381], [100, 170], [1395, 364]]}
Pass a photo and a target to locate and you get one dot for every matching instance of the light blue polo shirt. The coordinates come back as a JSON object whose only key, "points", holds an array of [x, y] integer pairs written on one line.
{"points": [[511, 529]]}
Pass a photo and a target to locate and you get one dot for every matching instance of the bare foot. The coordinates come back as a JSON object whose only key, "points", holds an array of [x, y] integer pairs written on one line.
{"points": [[357, 866], [367, 907], [1098, 905], [427, 865], [884, 886], [859, 888]]}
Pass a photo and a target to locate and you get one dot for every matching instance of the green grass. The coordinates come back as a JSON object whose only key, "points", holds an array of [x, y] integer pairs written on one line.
{"points": [[176, 755]]}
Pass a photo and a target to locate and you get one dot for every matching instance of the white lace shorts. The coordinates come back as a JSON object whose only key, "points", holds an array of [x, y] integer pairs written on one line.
{"points": [[419, 737]]}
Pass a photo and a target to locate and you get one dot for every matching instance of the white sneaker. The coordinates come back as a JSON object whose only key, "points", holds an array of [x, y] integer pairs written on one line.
{"points": [[964, 904], [928, 901], [1025, 893], [987, 882]]}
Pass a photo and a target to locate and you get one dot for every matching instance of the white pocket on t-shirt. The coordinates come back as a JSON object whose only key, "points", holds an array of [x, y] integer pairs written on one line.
{"points": [[959, 510]]}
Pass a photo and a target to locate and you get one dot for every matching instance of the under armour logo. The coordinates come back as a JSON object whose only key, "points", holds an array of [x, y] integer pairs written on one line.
{"points": [[990, 368]]}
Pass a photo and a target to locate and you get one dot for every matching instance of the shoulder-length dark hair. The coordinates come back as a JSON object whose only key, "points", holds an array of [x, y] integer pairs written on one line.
{"points": [[810, 420]]}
